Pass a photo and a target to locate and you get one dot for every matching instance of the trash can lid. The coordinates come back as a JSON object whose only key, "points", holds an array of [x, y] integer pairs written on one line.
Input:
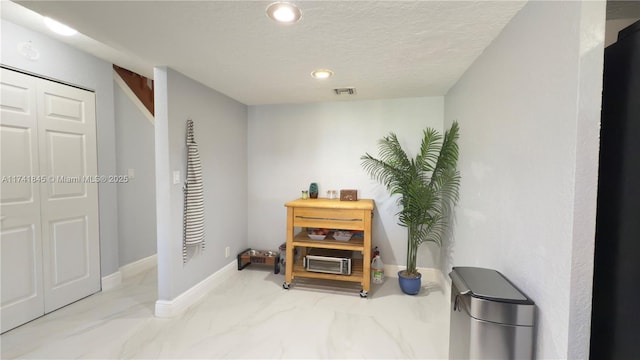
{"points": [[487, 284]]}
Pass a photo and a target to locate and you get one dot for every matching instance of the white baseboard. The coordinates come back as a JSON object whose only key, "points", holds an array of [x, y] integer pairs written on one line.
{"points": [[445, 282], [111, 281], [114, 280], [171, 308], [139, 266], [392, 270]]}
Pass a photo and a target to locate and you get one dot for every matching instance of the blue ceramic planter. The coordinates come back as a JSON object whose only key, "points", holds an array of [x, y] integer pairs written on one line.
{"points": [[410, 286]]}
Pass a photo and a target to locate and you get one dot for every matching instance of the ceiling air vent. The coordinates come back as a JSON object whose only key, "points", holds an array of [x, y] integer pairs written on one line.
{"points": [[347, 91]]}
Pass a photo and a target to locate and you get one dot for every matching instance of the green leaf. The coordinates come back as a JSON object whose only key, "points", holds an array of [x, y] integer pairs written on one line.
{"points": [[428, 185]]}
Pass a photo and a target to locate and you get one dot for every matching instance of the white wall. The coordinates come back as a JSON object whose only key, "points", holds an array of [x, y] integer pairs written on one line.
{"points": [[61, 62], [136, 198], [291, 146], [221, 133], [528, 109]]}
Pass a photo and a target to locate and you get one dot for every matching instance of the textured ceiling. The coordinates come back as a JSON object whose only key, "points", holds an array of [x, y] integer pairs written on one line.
{"points": [[385, 49]]}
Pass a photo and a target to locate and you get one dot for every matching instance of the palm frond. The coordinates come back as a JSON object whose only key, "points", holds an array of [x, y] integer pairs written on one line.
{"points": [[448, 157], [428, 185], [379, 170], [428, 156], [391, 152]]}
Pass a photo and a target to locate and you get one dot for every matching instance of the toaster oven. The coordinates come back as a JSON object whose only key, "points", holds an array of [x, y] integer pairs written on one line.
{"points": [[328, 261]]}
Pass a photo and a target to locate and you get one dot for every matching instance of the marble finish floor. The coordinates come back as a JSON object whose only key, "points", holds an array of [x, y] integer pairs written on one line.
{"points": [[249, 316]]}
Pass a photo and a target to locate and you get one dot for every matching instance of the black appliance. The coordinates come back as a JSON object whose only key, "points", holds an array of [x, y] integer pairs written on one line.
{"points": [[615, 318]]}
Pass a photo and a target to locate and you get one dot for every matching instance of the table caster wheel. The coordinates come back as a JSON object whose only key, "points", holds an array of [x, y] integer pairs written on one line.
{"points": [[363, 293], [286, 285]]}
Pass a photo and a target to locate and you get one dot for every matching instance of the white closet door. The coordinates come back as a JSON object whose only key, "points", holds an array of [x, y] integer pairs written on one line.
{"points": [[20, 231], [69, 205]]}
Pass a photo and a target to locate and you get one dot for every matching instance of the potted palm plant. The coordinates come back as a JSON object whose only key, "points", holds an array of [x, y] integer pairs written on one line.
{"points": [[427, 187]]}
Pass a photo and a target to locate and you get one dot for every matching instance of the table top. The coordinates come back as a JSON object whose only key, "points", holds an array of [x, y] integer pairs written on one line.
{"points": [[361, 204]]}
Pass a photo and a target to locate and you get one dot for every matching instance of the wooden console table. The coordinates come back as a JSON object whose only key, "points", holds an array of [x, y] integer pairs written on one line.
{"points": [[329, 214]]}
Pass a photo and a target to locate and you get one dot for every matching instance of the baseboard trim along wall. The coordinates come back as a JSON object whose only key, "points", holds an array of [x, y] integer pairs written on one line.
{"points": [[136, 267], [114, 280], [111, 281], [171, 308], [445, 282]]}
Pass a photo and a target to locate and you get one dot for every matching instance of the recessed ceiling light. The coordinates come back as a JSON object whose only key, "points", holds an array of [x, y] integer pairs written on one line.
{"points": [[322, 73], [59, 28], [284, 12]]}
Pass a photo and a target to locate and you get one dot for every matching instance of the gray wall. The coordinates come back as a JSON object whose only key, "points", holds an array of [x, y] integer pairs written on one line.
{"points": [[137, 198], [528, 109], [221, 133], [61, 62], [291, 146]]}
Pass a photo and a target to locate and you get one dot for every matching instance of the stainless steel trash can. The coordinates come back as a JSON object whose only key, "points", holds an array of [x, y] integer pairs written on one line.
{"points": [[490, 317]]}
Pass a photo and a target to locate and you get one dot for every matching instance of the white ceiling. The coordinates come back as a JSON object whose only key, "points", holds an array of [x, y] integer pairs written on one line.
{"points": [[385, 49]]}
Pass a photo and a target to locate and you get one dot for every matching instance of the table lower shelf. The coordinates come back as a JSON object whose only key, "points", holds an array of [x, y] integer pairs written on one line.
{"points": [[356, 273]]}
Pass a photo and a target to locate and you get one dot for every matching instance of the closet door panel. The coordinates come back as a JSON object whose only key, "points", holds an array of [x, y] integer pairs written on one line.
{"points": [[19, 265], [22, 296], [67, 143], [67, 164], [69, 247], [17, 155]]}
